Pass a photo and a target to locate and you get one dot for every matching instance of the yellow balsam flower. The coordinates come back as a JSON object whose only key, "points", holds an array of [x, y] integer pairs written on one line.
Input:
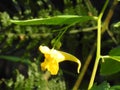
{"points": [[54, 57]]}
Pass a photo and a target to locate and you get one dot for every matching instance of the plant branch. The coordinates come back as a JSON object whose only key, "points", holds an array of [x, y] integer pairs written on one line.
{"points": [[98, 46], [89, 58], [109, 16]]}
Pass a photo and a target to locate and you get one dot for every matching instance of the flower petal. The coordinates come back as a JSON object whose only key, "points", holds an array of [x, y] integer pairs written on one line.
{"points": [[72, 58], [44, 49], [44, 66], [53, 68], [57, 55]]}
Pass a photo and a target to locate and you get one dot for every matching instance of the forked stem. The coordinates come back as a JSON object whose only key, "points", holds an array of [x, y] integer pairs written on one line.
{"points": [[98, 46]]}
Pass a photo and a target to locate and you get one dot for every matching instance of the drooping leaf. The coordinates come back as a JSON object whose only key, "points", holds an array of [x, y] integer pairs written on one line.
{"points": [[56, 20], [111, 65], [14, 59]]}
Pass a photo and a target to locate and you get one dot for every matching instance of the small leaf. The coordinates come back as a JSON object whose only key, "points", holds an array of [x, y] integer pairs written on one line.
{"points": [[111, 65], [117, 24], [116, 87], [102, 86], [56, 20], [18, 85], [8, 82]]}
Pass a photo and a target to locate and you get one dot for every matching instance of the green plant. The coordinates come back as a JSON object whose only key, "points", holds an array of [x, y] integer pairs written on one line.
{"points": [[69, 21]]}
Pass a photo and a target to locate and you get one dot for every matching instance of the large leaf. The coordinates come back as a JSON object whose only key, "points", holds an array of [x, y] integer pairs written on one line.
{"points": [[14, 59], [56, 20], [111, 65]]}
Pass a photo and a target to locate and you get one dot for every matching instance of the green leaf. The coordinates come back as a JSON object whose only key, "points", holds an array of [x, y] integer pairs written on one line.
{"points": [[117, 24], [56, 20], [115, 51], [116, 87], [111, 64], [14, 59], [8, 82], [105, 86], [102, 86], [20, 81]]}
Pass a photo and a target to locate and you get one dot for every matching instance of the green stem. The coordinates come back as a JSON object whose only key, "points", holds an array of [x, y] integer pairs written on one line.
{"points": [[98, 47], [61, 34]]}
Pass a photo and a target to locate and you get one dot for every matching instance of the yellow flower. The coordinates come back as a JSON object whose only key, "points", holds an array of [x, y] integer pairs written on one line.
{"points": [[54, 57]]}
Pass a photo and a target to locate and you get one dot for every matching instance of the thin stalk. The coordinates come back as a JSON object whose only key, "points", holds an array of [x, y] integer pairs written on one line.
{"points": [[98, 46], [92, 11], [61, 34], [89, 58]]}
